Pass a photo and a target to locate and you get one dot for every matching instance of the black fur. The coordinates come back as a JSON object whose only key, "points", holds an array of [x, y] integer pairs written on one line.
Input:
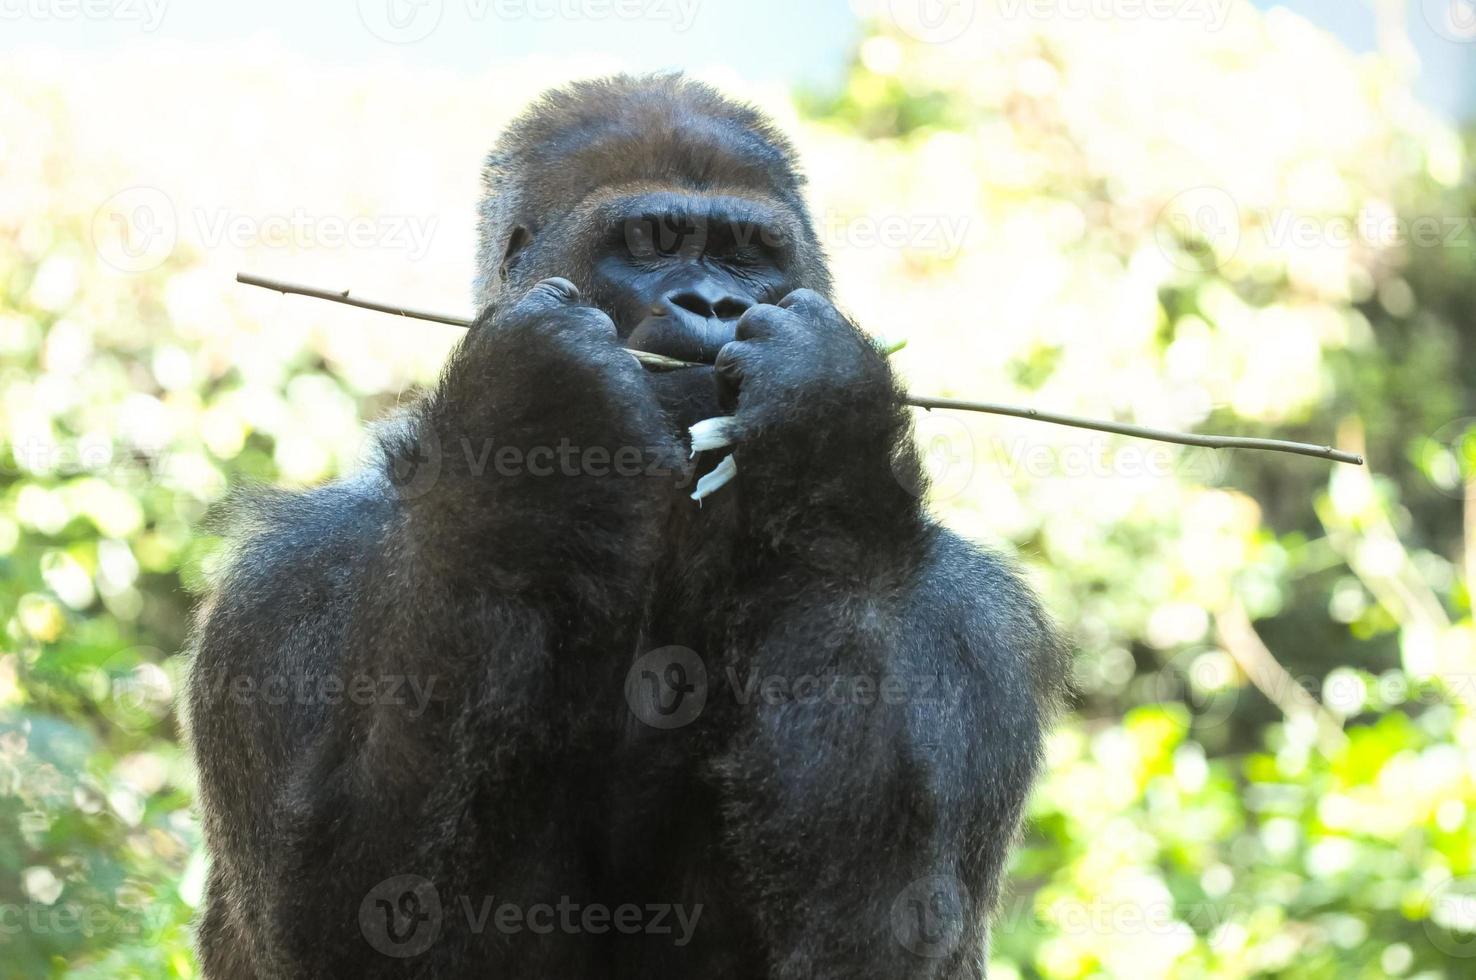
{"points": [[478, 621]]}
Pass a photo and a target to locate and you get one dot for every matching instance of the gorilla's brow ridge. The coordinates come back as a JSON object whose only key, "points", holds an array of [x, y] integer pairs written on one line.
{"points": [[761, 220]]}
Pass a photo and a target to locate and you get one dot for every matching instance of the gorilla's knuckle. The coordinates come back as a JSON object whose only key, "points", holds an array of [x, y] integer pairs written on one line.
{"points": [[541, 300], [556, 289], [811, 305], [760, 322], [802, 297], [730, 357], [583, 322], [599, 322]]}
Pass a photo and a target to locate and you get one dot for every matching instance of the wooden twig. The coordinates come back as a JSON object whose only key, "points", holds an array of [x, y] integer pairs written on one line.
{"points": [[650, 360], [661, 363], [1143, 432]]}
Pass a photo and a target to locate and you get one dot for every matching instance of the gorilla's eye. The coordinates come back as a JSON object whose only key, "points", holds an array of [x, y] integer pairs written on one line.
{"points": [[650, 237], [640, 238], [739, 243], [670, 239], [676, 237]]}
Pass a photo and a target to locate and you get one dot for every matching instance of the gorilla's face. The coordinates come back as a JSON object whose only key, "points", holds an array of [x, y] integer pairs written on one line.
{"points": [[674, 269], [676, 272]]}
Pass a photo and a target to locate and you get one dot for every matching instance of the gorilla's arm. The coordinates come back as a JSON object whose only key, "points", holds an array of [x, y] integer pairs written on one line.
{"points": [[871, 808], [392, 666]]}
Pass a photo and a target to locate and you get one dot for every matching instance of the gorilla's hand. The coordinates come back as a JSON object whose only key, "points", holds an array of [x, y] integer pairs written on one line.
{"points": [[553, 451], [799, 363], [546, 377], [550, 366], [818, 420]]}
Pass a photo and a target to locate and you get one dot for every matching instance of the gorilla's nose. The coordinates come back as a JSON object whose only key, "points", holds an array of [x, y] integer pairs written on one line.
{"points": [[707, 302], [690, 323]]}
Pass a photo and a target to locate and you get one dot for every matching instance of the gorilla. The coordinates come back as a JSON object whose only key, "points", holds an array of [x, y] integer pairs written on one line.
{"points": [[508, 702]]}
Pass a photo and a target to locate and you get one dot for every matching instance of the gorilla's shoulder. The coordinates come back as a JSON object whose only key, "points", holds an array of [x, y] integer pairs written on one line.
{"points": [[288, 554], [987, 597], [979, 573], [270, 531]]}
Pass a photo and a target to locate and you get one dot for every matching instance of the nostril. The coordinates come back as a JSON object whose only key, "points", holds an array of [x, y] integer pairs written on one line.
{"points": [[730, 309], [692, 303], [708, 304]]}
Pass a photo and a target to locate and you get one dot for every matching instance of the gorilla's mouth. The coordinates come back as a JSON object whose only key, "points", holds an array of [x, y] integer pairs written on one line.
{"points": [[685, 338]]}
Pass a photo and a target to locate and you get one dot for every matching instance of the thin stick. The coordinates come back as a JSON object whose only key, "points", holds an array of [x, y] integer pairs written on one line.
{"points": [[1142, 432], [659, 362], [342, 296]]}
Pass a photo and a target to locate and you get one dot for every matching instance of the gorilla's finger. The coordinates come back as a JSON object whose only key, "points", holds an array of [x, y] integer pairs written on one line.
{"points": [[729, 360], [727, 374], [759, 322], [597, 320], [557, 291], [806, 301], [558, 295]]}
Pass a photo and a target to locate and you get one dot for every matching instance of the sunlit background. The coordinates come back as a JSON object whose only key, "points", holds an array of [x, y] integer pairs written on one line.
{"points": [[1198, 214]]}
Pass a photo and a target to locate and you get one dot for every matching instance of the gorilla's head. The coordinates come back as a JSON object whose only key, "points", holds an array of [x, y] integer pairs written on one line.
{"points": [[672, 208]]}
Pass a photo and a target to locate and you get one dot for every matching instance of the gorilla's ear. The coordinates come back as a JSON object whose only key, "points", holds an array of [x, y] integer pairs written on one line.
{"points": [[520, 239]]}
